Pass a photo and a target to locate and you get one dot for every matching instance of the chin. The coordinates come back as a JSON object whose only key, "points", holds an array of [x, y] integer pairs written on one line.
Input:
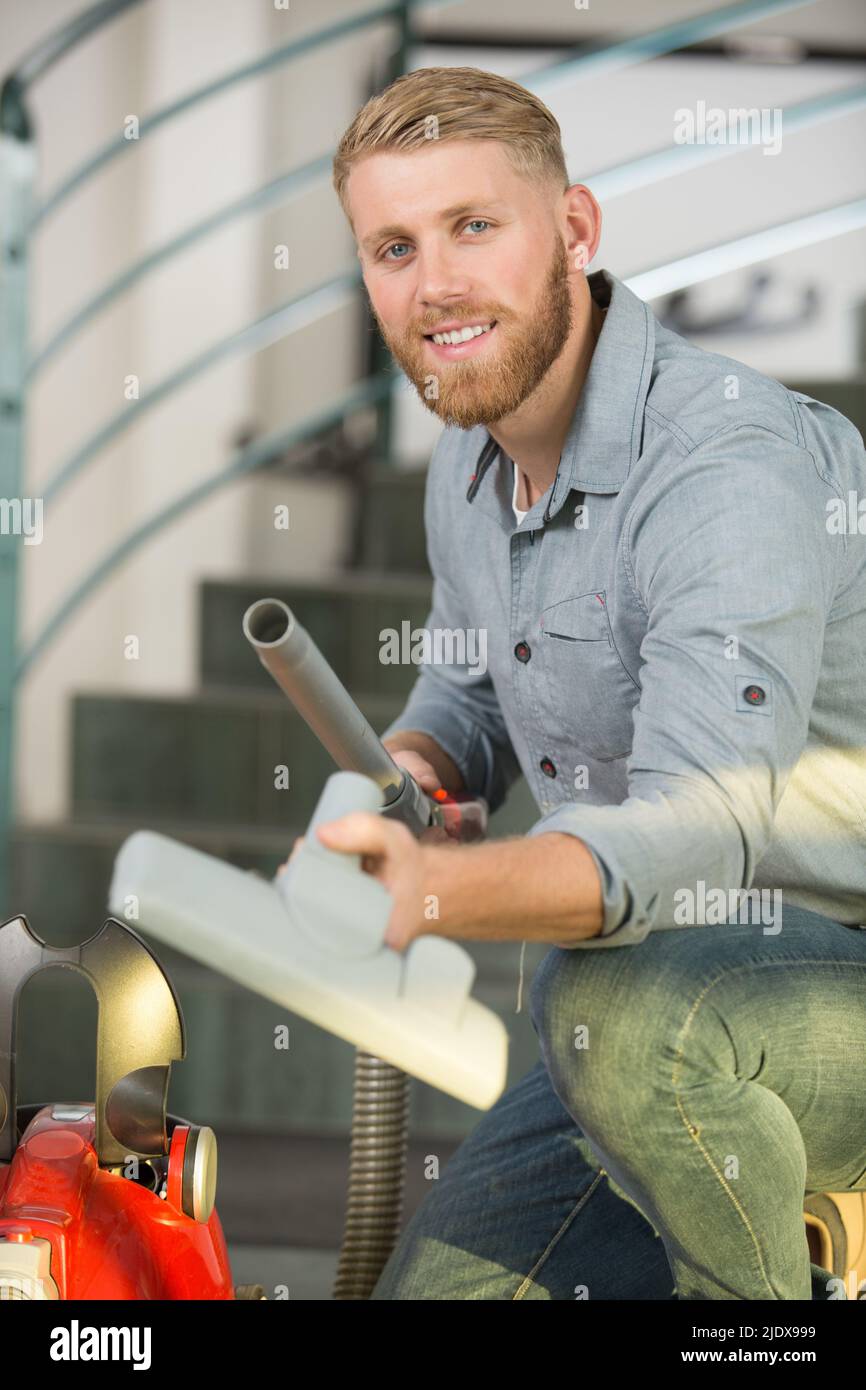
{"points": [[458, 419]]}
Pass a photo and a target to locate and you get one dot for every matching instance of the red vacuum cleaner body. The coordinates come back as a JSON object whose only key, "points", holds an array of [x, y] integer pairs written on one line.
{"points": [[72, 1229], [112, 1198]]}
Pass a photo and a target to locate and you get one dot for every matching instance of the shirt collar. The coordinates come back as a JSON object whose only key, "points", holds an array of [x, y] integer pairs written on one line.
{"points": [[606, 429]]}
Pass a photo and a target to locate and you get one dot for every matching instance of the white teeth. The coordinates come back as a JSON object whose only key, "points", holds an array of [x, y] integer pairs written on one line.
{"points": [[462, 335]]}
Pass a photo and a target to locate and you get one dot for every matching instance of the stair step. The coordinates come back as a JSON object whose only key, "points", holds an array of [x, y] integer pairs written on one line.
{"points": [[201, 759], [344, 618], [61, 872]]}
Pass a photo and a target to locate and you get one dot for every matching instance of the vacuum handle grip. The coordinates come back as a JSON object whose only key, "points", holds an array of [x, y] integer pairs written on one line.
{"points": [[464, 817]]}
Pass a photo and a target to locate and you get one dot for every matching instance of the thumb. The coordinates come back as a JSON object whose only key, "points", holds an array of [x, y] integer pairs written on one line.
{"points": [[360, 832]]}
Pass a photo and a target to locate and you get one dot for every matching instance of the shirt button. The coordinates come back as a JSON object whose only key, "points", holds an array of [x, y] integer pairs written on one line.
{"points": [[547, 767], [755, 694], [522, 651]]}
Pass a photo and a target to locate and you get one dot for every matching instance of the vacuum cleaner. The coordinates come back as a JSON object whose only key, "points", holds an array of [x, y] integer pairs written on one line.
{"points": [[114, 1198]]}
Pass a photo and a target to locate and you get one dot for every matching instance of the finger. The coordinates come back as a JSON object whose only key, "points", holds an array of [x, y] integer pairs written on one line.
{"points": [[419, 768], [361, 832], [396, 936], [435, 834]]}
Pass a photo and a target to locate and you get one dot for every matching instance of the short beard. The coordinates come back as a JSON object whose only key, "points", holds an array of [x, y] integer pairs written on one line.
{"points": [[477, 391]]}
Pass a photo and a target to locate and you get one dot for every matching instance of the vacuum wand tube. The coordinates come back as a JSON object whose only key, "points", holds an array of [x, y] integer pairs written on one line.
{"points": [[289, 654]]}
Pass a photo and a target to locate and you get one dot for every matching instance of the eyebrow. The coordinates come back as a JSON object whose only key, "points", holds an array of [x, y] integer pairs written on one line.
{"points": [[447, 215]]}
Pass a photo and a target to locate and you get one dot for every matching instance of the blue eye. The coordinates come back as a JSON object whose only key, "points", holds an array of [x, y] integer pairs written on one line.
{"points": [[386, 254]]}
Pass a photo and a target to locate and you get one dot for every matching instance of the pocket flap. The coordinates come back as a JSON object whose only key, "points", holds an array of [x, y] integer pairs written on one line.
{"points": [[579, 619]]}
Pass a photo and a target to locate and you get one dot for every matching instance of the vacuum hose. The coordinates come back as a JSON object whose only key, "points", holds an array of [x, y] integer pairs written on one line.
{"points": [[377, 1168]]}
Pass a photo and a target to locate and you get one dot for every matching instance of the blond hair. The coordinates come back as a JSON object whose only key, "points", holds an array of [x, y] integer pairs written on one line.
{"points": [[455, 104]]}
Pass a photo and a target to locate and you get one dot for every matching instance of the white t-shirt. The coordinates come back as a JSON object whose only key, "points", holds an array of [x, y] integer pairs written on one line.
{"points": [[517, 512]]}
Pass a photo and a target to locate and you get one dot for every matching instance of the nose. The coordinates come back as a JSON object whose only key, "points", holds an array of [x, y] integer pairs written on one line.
{"points": [[440, 279]]}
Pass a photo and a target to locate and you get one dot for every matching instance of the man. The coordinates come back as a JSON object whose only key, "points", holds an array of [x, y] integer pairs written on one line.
{"points": [[675, 660]]}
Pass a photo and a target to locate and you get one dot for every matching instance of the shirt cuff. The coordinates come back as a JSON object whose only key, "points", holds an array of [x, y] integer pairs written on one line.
{"points": [[647, 850], [622, 925]]}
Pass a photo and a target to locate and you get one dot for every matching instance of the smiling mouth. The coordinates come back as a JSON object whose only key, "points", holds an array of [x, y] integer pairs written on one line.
{"points": [[485, 332]]}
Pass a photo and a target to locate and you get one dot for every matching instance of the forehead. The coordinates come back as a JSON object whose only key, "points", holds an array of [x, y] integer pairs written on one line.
{"points": [[389, 190]]}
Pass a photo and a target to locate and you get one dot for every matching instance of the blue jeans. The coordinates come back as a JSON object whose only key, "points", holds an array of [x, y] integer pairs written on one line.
{"points": [[692, 1089]]}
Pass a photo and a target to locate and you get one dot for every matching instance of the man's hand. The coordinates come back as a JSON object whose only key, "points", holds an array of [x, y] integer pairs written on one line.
{"points": [[391, 854], [424, 773], [427, 778], [432, 767]]}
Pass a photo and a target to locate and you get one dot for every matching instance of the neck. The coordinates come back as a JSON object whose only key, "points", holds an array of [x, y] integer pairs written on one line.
{"points": [[534, 435]]}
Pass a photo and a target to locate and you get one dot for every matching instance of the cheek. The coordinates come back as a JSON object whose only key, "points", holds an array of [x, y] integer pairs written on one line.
{"points": [[523, 273], [392, 303]]}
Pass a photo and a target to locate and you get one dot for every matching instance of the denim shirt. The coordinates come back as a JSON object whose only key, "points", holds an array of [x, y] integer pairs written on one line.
{"points": [[675, 633]]}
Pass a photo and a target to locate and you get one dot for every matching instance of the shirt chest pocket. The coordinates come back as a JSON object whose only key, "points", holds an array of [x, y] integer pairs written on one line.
{"points": [[590, 691]]}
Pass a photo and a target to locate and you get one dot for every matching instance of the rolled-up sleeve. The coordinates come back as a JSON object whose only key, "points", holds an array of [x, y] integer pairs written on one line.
{"points": [[735, 571]]}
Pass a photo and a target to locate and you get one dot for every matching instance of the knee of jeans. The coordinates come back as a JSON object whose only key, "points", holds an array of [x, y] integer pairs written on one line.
{"points": [[563, 1005], [599, 1023]]}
